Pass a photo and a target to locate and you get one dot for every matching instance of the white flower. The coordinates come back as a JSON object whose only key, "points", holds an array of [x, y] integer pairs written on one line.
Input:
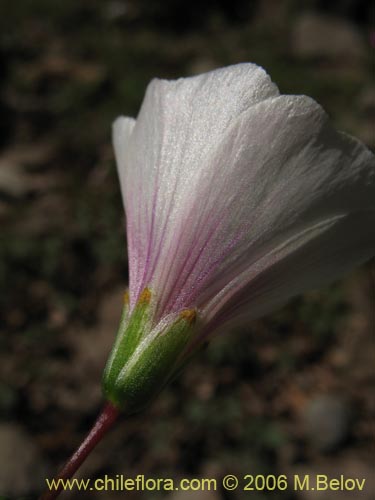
{"points": [[238, 198]]}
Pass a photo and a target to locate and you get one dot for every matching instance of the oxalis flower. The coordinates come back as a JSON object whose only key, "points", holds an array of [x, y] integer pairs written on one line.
{"points": [[237, 198]]}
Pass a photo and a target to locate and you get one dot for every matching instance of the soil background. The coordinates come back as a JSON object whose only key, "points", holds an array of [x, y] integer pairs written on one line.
{"points": [[292, 393]]}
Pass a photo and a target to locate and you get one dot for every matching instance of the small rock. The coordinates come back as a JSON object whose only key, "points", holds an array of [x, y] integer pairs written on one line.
{"points": [[13, 181], [16, 166], [22, 470], [327, 421], [320, 36], [115, 10], [202, 65], [349, 467]]}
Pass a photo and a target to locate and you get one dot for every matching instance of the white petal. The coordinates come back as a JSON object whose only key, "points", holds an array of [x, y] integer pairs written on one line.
{"points": [[236, 196], [121, 132], [318, 255], [307, 176], [179, 126]]}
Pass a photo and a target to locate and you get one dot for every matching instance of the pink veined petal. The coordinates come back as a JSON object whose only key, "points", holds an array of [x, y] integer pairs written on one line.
{"points": [[173, 137], [318, 255], [226, 184], [296, 187]]}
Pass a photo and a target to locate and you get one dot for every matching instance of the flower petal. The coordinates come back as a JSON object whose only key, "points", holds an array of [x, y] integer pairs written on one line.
{"points": [[121, 133], [179, 126], [227, 185], [313, 258], [309, 177]]}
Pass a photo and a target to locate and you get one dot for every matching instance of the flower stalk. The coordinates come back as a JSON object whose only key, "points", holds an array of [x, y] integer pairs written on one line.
{"points": [[102, 425]]}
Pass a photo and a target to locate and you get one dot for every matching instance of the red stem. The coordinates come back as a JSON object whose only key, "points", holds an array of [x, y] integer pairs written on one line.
{"points": [[102, 425]]}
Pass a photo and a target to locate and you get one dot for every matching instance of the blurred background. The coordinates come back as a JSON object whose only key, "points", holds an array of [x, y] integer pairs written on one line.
{"points": [[289, 394]]}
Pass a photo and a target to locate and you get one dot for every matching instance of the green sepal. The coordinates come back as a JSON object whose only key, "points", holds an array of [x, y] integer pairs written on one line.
{"points": [[149, 368], [130, 333]]}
